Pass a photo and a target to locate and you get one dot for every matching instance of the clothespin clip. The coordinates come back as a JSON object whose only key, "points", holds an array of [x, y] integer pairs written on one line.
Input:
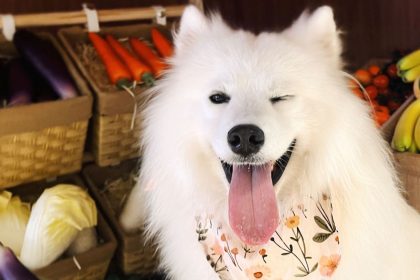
{"points": [[160, 17], [8, 26], [92, 22]]}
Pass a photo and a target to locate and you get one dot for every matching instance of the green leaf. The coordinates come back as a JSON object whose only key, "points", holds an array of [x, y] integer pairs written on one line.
{"points": [[308, 258], [314, 268], [321, 223], [300, 275], [285, 254], [302, 269], [321, 237]]}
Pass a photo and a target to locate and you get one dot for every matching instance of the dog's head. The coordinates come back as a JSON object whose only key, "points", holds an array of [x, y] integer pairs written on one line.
{"points": [[254, 103]]}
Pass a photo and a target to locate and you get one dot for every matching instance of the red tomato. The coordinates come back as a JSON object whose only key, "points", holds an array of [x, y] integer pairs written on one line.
{"points": [[372, 91], [374, 69], [391, 70], [381, 81], [363, 76]]}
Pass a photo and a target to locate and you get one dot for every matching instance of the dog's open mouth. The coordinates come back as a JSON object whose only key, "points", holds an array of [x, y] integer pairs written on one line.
{"points": [[253, 210], [277, 169]]}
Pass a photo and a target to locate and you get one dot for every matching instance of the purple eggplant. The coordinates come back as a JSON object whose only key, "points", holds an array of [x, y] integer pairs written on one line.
{"points": [[20, 84], [11, 268], [45, 58]]}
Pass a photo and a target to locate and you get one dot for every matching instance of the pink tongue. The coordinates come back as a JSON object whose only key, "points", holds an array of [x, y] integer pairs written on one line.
{"points": [[253, 213]]}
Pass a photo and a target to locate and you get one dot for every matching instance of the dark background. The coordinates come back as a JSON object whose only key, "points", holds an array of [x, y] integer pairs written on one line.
{"points": [[372, 28]]}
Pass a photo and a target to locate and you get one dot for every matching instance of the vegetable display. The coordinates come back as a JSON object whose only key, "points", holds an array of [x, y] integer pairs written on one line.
{"points": [[139, 71], [163, 45], [118, 73], [147, 55], [45, 58], [57, 217]]}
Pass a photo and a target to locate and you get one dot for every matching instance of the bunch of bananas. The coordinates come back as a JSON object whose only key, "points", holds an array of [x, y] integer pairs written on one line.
{"points": [[407, 131], [409, 66]]}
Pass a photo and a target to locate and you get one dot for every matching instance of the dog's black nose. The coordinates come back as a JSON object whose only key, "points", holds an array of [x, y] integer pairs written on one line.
{"points": [[245, 139]]}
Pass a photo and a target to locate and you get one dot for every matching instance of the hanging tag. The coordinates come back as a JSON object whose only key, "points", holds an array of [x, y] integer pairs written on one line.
{"points": [[9, 27], [160, 15], [92, 23]]}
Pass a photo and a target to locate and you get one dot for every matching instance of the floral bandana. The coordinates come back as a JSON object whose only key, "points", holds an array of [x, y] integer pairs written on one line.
{"points": [[305, 245]]}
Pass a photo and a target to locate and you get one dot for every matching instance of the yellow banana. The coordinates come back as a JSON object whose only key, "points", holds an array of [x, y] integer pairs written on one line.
{"points": [[411, 74], [404, 130], [417, 134], [413, 147], [409, 61]]}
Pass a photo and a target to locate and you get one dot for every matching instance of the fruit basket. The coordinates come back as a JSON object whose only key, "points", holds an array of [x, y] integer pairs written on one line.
{"points": [[90, 265], [407, 163], [46, 139], [110, 186], [386, 92], [113, 138]]}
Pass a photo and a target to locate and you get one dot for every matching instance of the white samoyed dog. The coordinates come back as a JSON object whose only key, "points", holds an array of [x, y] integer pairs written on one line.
{"points": [[257, 154]]}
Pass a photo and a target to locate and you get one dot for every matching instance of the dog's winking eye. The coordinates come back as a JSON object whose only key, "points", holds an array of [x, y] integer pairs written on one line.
{"points": [[219, 97], [276, 99]]}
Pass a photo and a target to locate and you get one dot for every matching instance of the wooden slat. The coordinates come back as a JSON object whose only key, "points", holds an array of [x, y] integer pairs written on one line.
{"points": [[78, 17]]}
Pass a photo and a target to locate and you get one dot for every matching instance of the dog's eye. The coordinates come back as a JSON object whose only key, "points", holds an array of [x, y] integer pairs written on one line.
{"points": [[279, 98], [219, 98]]}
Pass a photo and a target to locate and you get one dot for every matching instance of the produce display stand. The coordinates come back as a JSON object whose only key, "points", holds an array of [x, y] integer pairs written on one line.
{"points": [[52, 143], [112, 138]]}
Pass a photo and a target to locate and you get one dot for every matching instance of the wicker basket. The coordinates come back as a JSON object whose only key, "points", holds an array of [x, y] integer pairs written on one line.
{"points": [[43, 140], [133, 254], [113, 140], [407, 164], [93, 263]]}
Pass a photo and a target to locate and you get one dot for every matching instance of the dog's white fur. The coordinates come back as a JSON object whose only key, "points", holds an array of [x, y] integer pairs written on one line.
{"points": [[338, 149]]}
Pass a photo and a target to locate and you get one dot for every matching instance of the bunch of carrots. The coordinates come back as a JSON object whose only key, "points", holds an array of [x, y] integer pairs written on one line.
{"points": [[141, 65]]}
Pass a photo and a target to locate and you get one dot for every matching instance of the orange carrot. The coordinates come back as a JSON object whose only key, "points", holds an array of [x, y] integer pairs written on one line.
{"points": [[117, 72], [163, 46], [147, 55], [138, 69]]}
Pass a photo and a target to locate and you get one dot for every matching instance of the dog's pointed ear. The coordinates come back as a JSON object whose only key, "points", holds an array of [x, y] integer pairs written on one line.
{"points": [[318, 30], [193, 22]]}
